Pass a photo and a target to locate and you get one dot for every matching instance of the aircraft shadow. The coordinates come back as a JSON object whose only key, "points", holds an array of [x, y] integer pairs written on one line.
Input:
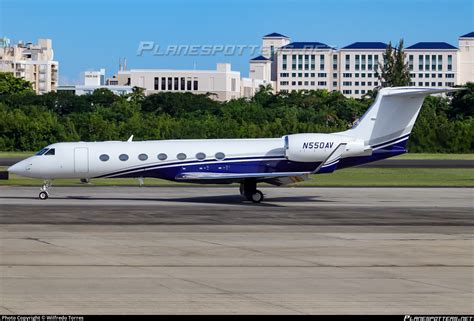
{"points": [[213, 199]]}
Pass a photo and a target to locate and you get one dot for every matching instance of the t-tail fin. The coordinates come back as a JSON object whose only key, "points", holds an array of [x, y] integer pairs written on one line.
{"points": [[392, 116]]}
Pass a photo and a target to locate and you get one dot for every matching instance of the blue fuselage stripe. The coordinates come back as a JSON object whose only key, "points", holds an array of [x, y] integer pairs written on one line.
{"points": [[254, 164]]}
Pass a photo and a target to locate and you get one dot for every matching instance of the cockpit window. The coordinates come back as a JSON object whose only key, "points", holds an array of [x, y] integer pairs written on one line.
{"points": [[51, 151], [41, 152]]}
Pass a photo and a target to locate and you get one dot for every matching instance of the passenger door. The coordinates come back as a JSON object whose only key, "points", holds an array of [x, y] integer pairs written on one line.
{"points": [[81, 160]]}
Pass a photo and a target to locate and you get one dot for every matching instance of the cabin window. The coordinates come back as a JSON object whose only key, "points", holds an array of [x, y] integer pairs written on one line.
{"points": [[123, 157], [51, 151], [143, 157], [162, 156], [200, 156], [104, 157], [220, 156], [181, 156]]}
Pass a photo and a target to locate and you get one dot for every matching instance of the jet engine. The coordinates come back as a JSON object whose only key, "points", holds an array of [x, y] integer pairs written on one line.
{"points": [[318, 147]]}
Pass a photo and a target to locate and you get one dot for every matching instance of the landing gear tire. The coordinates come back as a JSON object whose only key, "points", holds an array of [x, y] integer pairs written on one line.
{"points": [[256, 197], [43, 195], [248, 189]]}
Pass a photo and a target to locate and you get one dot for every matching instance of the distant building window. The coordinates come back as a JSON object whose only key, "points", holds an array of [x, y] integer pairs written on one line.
{"points": [[450, 62], [170, 83], [195, 83], [200, 156], [123, 157], [188, 84], [183, 83], [143, 157], [176, 83], [220, 156], [163, 83], [162, 156], [181, 156], [156, 83], [104, 157]]}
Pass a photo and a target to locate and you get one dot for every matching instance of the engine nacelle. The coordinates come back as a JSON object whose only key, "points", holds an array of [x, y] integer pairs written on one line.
{"points": [[317, 147]]}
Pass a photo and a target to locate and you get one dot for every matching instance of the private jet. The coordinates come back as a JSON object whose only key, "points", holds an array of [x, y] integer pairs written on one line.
{"points": [[382, 132]]}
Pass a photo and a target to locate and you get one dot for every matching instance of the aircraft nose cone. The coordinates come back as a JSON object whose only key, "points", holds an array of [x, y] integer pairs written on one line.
{"points": [[18, 168]]}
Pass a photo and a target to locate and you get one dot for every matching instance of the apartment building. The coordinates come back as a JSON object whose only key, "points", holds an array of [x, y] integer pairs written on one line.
{"points": [[352, 68], [32, 62]]}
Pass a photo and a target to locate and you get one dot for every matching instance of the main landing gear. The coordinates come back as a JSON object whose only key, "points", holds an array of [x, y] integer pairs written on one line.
{"points": [[249, 190], [43, 195]]}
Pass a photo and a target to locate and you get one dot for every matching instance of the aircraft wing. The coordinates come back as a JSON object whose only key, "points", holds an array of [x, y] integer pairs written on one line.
{"points": [[230, 176]]}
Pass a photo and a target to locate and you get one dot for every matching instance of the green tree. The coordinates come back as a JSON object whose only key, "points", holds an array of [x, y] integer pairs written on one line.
{"points": [[10, 85], [394, 71]]}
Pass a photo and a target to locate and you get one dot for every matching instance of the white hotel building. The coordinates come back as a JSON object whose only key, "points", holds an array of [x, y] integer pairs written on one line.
{"points": [[351, 69]]}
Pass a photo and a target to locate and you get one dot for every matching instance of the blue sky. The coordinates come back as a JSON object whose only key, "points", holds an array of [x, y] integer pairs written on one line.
{"points": [[91, 34]]}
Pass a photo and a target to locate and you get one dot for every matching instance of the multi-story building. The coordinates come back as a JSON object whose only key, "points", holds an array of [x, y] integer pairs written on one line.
{"points": [[466, 58], [433, 64], [223, 83], [32, 62], [352, 69], [356, 67], [94, 80]]}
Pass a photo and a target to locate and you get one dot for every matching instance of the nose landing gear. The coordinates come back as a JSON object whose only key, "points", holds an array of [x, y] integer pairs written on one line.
{"points": [[43, 195], [248, 189]]}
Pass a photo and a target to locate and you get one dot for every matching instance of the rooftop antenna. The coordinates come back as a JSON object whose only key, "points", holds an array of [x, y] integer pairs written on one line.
{"points": [[124, 63]]}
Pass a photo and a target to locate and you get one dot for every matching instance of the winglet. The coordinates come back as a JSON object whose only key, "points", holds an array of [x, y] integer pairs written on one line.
{"points": [[330, 163], [130, 139]]}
